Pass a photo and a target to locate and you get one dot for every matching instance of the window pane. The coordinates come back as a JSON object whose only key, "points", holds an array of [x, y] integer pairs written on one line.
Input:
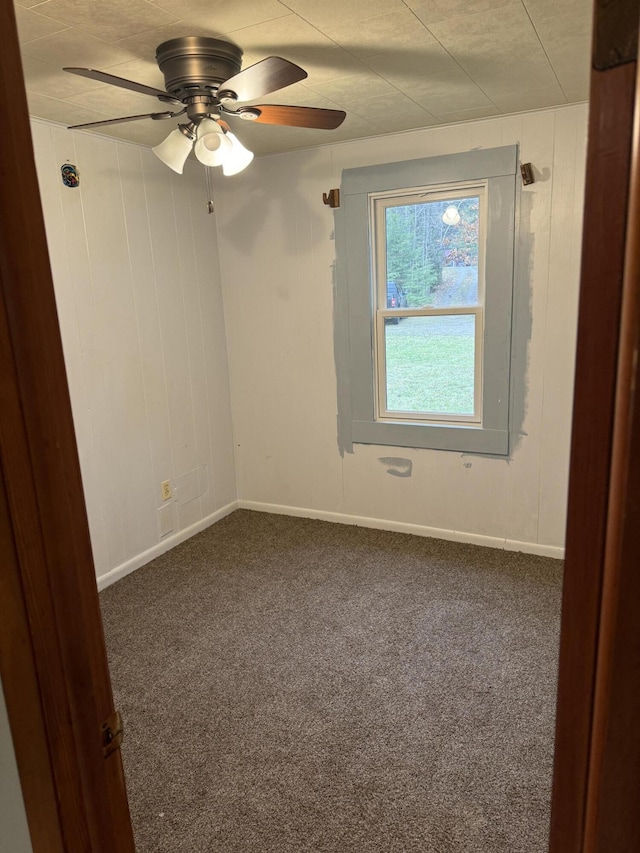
{"points": [[432, 252], [431, 364]]}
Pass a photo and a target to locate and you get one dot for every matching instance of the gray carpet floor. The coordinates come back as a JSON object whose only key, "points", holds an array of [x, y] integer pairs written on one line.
{"points": [[292, 685]]}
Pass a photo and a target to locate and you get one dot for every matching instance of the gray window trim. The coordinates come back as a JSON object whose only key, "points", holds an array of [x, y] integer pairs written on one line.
{"points": [[354, 294]]}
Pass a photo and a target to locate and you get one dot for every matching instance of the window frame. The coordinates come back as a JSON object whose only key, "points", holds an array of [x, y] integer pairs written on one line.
{"points": [[356, 351], [378, 204]]}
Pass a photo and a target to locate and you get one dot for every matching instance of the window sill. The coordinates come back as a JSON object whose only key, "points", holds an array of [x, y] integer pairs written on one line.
{"points": [[464, 439]]}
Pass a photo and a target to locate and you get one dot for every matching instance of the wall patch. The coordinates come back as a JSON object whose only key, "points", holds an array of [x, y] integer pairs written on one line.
{"points": [[398, 466]]}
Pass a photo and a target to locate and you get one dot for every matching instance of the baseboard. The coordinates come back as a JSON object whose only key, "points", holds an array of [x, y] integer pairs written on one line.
{"points": [[163, 546], [337, 517], [416, 529]]}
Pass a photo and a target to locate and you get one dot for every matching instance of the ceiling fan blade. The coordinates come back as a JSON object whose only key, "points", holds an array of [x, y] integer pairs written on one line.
{"points": [[103, 77], [300, 116], [154, 116], [264, 77]]}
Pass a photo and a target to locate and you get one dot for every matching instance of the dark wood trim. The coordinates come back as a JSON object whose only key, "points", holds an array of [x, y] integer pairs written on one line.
{"points": [[615, 33], [51, 647], [20, 683], [603, 263], [45, 522], [613, 815]]}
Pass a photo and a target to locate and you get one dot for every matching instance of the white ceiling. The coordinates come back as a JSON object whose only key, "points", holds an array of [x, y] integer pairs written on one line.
{"points": [[391, 64]]}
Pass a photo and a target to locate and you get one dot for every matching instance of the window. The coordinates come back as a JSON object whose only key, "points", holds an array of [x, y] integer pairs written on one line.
{"points": [[424, 273], [427, 256]]}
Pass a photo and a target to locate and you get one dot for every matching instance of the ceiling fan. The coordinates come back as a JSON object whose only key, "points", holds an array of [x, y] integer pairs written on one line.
{"points": [[204, 77]]}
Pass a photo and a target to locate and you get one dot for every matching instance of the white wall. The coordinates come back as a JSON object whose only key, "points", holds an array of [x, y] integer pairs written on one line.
{"points": [[135, 267], [276, 254], [138, 284]]}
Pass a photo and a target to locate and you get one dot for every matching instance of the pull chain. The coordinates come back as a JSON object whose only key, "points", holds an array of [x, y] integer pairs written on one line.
{"points": [[209, 182]]}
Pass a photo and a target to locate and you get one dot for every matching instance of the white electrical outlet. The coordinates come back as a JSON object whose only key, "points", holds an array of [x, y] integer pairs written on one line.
{"points": [[166, 490]]}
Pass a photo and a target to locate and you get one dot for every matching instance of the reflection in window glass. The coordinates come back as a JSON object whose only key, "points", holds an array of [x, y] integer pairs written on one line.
{"points": [[430, 364], [432, 251]]}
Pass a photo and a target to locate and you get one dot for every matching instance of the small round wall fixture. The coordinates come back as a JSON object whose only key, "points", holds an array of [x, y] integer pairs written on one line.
{"points": [[70, 175]]}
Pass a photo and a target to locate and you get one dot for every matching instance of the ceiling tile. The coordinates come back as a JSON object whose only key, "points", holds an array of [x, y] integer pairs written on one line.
{"points": [[144, 45], [298, 94], [52, 81], [32, 25], [521, 102], [576, 59], [354, 127], [491, 24], [497, 86], [492, 42], [508, 59], [580, 10], [348, 92], [574, 76], [140, 71], [72, 47], [55, 110], [221, 16], [399, 67], [332, 13], [447, 92], [469, 115], [575, 92], [323, 66], [533, 94], [30, 62], [434, 11], [277, 37], [115, 102], [575, 81], [397, 31], [564, 31], [567, 43], [112, 21], [397, 112], [391, 64]]}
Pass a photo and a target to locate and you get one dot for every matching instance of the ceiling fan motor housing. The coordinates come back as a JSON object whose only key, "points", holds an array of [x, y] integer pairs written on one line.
{"points": [[197, 65]]}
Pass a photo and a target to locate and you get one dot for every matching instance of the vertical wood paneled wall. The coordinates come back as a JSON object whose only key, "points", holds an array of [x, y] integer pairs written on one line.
{"points": [[139, 268], [135, 266], [277, 254]]}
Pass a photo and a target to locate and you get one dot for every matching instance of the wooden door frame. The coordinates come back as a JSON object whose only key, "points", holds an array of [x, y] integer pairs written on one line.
{"points": [[52, 653], [52, 657], [597, 563]]}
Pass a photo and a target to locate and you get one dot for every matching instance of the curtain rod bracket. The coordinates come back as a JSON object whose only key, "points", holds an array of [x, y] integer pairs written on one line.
{"points": [[526, 170], [332, 198]]}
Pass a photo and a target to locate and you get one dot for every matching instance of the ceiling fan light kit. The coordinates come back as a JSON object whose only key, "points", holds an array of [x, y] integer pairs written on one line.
{"points": [[204, 76], [175, 149], [238, 158], [212, 145]]}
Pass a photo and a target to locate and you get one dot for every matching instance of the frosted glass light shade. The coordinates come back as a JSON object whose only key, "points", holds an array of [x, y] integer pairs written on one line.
{"points": [[238, 157], [212, 146], [451, 215], [174, 150]]}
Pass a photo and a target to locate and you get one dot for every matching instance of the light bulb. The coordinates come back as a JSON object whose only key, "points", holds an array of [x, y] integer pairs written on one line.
{"points": [[212, 146], [238, 157], [451, 215], [175, 149]]}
